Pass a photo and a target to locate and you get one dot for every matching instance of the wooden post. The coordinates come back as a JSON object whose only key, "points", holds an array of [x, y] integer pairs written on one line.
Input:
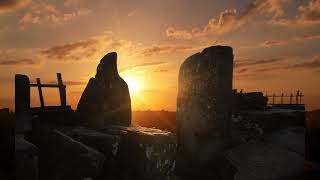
{"points": [[40, 92], [62, 91], [297, 97], [273, 99], [282, 98], [22, 104], [291, 98]]}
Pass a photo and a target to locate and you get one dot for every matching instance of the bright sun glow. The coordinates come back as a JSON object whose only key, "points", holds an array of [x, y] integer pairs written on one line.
{"points": [[134, 86]]}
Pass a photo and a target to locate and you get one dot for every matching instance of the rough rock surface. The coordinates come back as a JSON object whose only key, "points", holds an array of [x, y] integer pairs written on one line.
{"points": [[145, 153], [107, 144], [64, 158], [279, 155], [7, 128], [131, 152], [204, 107], [274, 119], [249, 101], [106, 99], [26, 160]]}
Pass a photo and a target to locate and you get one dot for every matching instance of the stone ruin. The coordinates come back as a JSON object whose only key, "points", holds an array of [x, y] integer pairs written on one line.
{"points": [[98, 141], [110, 95], [204, 112], [95, 142]]}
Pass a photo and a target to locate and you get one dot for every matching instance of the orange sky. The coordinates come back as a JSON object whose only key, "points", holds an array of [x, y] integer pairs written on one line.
{"points": [[276, 44]]}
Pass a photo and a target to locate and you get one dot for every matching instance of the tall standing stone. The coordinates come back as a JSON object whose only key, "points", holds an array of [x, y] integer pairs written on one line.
{"points": [[204, 109], [106, 99]]}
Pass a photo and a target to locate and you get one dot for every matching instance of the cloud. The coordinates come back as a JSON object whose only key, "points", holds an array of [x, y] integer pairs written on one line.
{"points": [[143, 65], [244, 63], [314, 64], [90, 49], [70, 83], [161, 70], [271, 43], [160, 49], [242, 70], [7, 6], [14, 62], [13, 57], [69, 3], [230, 19], [73, 51], [273, 65], [43, 12], [310, 13]]}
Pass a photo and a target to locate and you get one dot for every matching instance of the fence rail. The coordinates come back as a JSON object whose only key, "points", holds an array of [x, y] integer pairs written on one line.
{"points": [[59, 85], [298, 98]]}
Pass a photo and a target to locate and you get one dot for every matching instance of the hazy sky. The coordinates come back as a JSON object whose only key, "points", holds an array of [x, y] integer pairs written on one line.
{"points": [[276, 44]]}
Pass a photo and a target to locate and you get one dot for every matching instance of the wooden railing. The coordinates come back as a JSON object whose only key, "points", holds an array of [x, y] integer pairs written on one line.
{"points": [[59, 85], [298, 98]]}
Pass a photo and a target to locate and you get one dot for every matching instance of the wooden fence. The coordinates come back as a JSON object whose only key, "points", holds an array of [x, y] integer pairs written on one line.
{"points": [[286, 99], [59, 85]]}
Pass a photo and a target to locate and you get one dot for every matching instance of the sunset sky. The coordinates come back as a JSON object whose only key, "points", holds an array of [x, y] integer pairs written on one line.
{"points": [[276, 44]]}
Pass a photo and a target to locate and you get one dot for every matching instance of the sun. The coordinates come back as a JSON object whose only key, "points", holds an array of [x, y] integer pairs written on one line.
{"points": [[134, 86]]}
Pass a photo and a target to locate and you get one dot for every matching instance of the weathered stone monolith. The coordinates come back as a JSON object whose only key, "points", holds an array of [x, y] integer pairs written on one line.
{"points": [[204, 110], [106, 99]]}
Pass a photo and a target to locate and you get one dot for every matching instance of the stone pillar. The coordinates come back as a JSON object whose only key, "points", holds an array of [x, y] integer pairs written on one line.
{"points": [[204, 108], [22, 103], [106, 99]]}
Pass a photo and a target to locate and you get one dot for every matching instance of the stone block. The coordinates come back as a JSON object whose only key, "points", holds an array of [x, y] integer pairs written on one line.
{"points": [[145, 153]]}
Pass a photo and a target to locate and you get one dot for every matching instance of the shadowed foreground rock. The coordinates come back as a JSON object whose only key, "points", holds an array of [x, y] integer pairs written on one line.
{"points": [[106, 99], [204, 113], [64, 158], [131, 152], [26, 155]]}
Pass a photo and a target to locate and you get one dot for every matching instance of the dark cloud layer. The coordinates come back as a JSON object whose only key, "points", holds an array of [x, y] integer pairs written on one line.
{"points": [[143, 65], [158, 49], [10, 5], [242, 63], [11, 62], [230, 19], [70, 83], [67, 51], [310, 13], [305, 65], [89, 49]]}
